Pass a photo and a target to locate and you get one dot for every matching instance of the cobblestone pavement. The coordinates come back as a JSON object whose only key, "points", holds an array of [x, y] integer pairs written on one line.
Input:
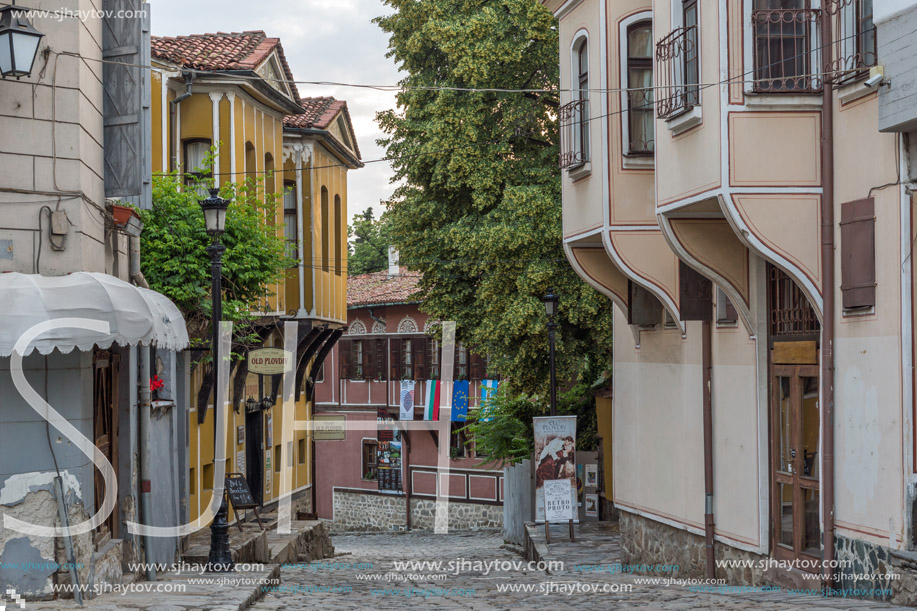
{"points": [[362, 575]]}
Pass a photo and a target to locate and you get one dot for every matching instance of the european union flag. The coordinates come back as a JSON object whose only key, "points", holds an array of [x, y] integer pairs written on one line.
{"points": [[460, 401]]}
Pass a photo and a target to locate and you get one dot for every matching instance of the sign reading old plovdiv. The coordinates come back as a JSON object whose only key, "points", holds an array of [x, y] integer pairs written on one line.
{"points": [[270, 361]]}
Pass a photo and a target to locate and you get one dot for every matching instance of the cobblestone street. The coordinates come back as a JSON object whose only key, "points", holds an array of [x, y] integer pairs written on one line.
{"points": [[363, 575]]}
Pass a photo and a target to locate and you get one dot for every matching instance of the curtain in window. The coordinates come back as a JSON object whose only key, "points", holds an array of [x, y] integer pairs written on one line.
{"points": [[640, 89]]}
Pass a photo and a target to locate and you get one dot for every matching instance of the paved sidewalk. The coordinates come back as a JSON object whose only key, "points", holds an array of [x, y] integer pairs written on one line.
{"points": [[363, 575]]}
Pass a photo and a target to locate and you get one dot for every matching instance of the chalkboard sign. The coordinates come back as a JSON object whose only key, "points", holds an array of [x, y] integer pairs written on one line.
{"points": [[241, 496]]}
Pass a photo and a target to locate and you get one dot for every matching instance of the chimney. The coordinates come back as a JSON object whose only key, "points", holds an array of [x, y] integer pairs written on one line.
{"points": [[393, 267]]}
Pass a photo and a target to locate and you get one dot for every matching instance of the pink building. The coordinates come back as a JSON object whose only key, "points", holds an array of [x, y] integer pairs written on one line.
{"points": [[389, 340]]}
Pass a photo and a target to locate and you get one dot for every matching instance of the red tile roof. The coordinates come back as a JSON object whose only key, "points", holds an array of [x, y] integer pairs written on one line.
{"points": [[222, 51], [379, 288], [318, 114]]}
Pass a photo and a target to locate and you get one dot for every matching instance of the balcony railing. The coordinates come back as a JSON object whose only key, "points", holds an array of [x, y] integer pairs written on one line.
{"points": [[574, 134], [791, 314], [854, 39], [786, 48], [677, 69]]}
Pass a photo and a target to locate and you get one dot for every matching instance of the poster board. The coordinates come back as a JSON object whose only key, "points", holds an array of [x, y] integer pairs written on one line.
{"points": [[558, 502], [388, 454], [555, 457]]}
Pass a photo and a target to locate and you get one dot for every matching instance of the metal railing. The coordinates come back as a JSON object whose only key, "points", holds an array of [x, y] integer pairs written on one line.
{"points": [[785, 50], [574, 134], [854, 39], [791, 314], [678, 71]]}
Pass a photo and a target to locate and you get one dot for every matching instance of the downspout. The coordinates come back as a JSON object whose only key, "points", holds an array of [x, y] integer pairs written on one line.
{"points": [[135, 273], [407, 485], [827, 338], [146, 509], [173, 107], [707, 356]]}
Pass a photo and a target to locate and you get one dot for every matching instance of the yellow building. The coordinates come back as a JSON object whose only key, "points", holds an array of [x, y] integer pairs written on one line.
{"points": [[235, 92]]}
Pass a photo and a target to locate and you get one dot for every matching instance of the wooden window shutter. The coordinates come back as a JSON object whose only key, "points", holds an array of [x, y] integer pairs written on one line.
{"points": [[858, 253], [476, 368], [344, 356], [644, 308], [420, 358], [379, 356], [368, 359], [394, 360], [695, 294]]}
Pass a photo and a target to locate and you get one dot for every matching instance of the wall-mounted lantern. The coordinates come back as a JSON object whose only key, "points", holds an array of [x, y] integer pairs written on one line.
{"points": [[18, 42]]}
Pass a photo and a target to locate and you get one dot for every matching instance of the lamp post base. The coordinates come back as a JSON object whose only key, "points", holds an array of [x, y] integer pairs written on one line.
{"points": [[220, 560]]}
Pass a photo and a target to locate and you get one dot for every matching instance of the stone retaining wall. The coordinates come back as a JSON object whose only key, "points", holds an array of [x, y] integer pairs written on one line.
{"points": [[645, 541], [372, 512]]}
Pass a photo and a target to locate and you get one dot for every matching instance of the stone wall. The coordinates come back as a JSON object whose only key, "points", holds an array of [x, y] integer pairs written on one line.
{"points": [[858, 558], [645, 541], [373, 512]]}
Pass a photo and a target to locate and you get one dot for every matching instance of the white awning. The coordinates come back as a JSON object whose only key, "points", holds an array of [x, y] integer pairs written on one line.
{"points": [[134, 315]]}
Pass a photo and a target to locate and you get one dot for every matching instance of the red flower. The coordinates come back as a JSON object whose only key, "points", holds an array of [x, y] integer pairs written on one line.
{"points": [[156, 383]]}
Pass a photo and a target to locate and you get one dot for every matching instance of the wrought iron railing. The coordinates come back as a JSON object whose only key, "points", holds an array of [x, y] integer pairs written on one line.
{"points": [[786, 47], [791, 314], [574, 133], [677, 68], [854, 49]]}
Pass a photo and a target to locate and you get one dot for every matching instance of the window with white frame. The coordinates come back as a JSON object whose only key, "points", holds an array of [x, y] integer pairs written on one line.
{"points": [[640, 115], [786, 41], [290, 219], [198, 175], [855, 38], [574, 116], [678, 63]]}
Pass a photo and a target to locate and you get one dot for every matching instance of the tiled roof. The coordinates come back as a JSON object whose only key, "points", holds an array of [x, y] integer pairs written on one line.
{"points": [[378, 288], [318, 114], [221, 51]]}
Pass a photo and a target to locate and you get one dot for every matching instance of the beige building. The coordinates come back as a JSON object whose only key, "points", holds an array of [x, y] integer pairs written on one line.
{"points": [[728, 184]]}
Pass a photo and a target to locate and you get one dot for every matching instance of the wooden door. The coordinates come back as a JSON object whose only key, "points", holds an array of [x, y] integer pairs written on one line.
{"points": [[795, 462], [105, 428]]}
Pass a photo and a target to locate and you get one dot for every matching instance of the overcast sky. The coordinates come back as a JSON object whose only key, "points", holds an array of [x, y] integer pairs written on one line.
{"points": [[324, 40]]}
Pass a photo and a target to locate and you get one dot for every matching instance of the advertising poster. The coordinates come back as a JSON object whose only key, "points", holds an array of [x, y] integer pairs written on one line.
{"points": [[269, 454], [558, 500], [555, 456], [592, 505], [592, 476], [388, 454]]}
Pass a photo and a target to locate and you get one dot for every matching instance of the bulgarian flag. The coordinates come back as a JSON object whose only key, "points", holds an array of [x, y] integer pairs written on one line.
{"points": [[431, 401]]}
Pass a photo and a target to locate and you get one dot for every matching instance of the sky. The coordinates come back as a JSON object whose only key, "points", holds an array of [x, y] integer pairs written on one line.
{"points": [[323, 40]]}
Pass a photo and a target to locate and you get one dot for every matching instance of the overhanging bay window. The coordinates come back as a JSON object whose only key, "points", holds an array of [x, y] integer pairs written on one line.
{"points": [[854, 38], [677, 61], [786, 41], [640, 119], [574, 116]]}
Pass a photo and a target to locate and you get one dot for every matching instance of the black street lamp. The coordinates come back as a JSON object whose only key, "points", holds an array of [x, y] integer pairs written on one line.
{"points": [[550, 308], [214, 207], [18, 42]]}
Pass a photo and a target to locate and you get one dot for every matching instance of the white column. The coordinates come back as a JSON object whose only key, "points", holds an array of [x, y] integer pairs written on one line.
{"points": [[231, 96], [215, 97], [300, 235]]}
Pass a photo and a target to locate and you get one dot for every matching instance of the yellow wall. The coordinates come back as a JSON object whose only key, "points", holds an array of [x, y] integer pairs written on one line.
{"points": [[241, 120], [603, 407]]}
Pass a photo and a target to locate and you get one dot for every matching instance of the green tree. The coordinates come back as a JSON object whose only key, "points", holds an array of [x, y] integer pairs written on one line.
{"points": [[175, 260], [478, 211], [368, 248]]}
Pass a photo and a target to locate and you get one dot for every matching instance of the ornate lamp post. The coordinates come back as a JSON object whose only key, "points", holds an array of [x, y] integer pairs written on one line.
{"points": [[550, 307], [214, 207], [18, 42]]}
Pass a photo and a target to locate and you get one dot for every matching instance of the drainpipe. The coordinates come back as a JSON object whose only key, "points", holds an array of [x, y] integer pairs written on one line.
{"points": [[407, 485], [135, 273], [173, 107], [827, 337], [146, 509], [707, 356]]}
